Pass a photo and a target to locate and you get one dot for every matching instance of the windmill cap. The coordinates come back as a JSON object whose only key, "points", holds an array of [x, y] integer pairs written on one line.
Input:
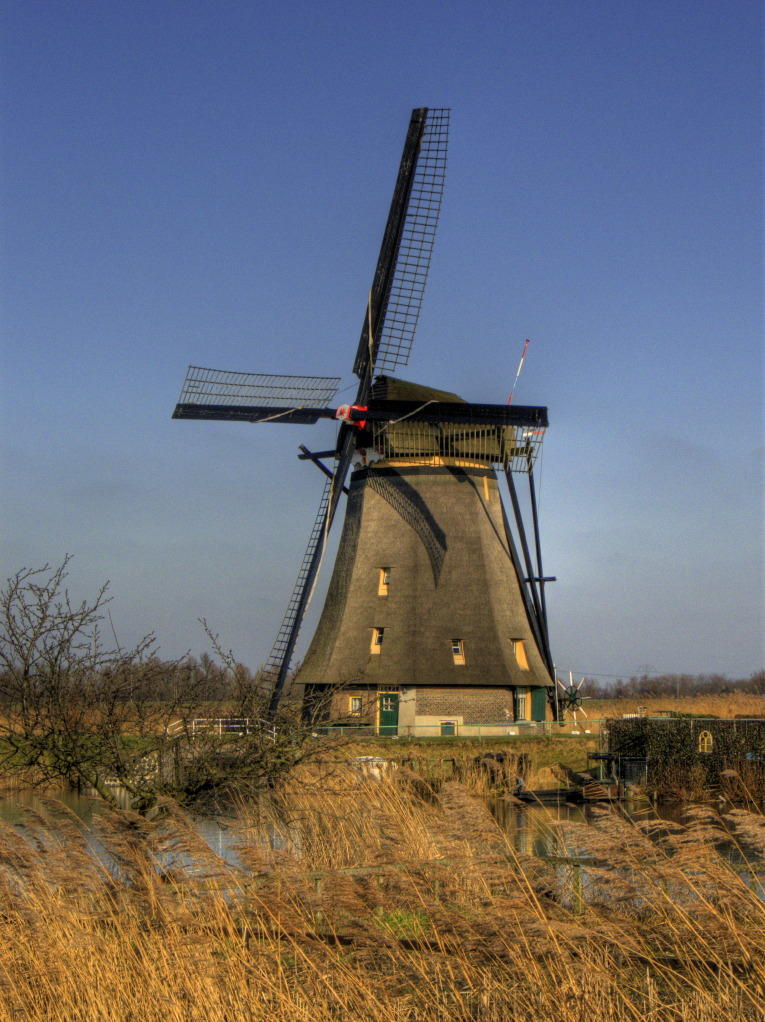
{"points": [[391, 388]]}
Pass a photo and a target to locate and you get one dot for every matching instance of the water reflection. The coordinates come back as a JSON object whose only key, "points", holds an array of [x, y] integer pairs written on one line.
{"points": [[533, 829], [222, 833]]}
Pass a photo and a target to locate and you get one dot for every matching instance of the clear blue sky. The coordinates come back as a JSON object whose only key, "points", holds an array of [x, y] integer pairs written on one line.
{"points": [[207, 183]]}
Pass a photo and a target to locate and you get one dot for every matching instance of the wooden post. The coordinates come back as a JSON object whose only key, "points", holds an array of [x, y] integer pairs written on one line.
{"points": [[577, 890]]}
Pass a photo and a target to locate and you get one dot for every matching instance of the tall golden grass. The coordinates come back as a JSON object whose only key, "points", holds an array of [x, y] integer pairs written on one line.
{"points": [[384, 904], [723, 705]]}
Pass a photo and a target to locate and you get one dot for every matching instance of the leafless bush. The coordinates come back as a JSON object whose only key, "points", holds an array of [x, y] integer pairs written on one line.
{"points": [[79, 709]]}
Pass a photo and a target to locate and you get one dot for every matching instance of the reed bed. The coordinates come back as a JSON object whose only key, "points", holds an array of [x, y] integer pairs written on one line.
{"points": [[383, 902], [725, 706]]}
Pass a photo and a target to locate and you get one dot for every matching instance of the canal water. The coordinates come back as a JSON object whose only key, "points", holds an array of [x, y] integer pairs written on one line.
{"points": [[532, 829]]}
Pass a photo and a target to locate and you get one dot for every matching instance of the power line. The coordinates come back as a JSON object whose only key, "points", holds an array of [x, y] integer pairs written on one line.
{"points": [[637, 674]]}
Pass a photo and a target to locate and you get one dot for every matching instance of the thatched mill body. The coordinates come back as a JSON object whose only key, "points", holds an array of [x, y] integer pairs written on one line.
{"points": [[435, 618]]}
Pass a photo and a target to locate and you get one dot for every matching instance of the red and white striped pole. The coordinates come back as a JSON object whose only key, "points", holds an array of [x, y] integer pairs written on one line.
{"points": [[518, 371]]}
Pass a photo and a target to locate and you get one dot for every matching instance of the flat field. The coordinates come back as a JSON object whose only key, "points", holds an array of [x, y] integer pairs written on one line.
{"points": [[728, 705]]}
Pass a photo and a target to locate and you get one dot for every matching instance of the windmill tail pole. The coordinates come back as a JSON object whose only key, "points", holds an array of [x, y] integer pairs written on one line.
{"points": [[533, 583], [541, 576]]}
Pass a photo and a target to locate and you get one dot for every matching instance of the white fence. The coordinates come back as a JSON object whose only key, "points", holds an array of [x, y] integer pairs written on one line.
{"points": [[231, 727]]}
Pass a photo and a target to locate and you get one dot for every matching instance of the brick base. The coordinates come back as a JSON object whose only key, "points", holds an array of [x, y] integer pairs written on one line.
{"points": [[473, 705]]}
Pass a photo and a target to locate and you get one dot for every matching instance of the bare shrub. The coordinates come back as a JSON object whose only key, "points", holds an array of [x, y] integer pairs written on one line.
{"points": [[79, 709]]}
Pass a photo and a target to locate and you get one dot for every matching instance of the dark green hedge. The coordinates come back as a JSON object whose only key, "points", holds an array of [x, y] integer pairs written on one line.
{"points": [[671, 748]]}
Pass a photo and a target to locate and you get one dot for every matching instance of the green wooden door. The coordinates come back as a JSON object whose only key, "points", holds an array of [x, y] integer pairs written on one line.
{"points": [[447, 728], [539, 704], [388, 704]]}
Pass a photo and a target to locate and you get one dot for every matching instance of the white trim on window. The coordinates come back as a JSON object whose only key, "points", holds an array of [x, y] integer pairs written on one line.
{"points": [[378, 634]]}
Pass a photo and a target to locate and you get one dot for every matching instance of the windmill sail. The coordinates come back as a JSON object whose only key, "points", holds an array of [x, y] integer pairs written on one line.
{"points": [[288, 632], [221, 394], [397, 289], [402, 267]]}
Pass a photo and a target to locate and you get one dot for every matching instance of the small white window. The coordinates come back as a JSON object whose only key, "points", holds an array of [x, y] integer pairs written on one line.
{"points": [[377, 639], [458, 651], [519, 649], [705, 742], [521, 697], [383, 583], [354, 706]]}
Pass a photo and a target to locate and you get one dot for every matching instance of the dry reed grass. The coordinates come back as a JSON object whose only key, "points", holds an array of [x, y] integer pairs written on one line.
{"points": [[724, 706], [382, 905]]}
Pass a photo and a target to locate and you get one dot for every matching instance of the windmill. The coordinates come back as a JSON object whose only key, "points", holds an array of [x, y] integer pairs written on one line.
{"points": [[570, 697], [405, 441]]}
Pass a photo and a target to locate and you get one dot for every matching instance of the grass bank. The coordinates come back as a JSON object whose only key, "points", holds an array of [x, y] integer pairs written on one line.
{"points": [[440, 759]]}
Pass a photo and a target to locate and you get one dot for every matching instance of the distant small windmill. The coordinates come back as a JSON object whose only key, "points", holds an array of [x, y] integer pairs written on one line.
{"points": [[570, 697], [427, 559]]}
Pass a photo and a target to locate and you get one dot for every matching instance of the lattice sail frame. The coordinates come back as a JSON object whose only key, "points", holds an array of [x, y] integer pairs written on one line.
{"points": [[514, 448], [269, 390], [416, 245]]}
